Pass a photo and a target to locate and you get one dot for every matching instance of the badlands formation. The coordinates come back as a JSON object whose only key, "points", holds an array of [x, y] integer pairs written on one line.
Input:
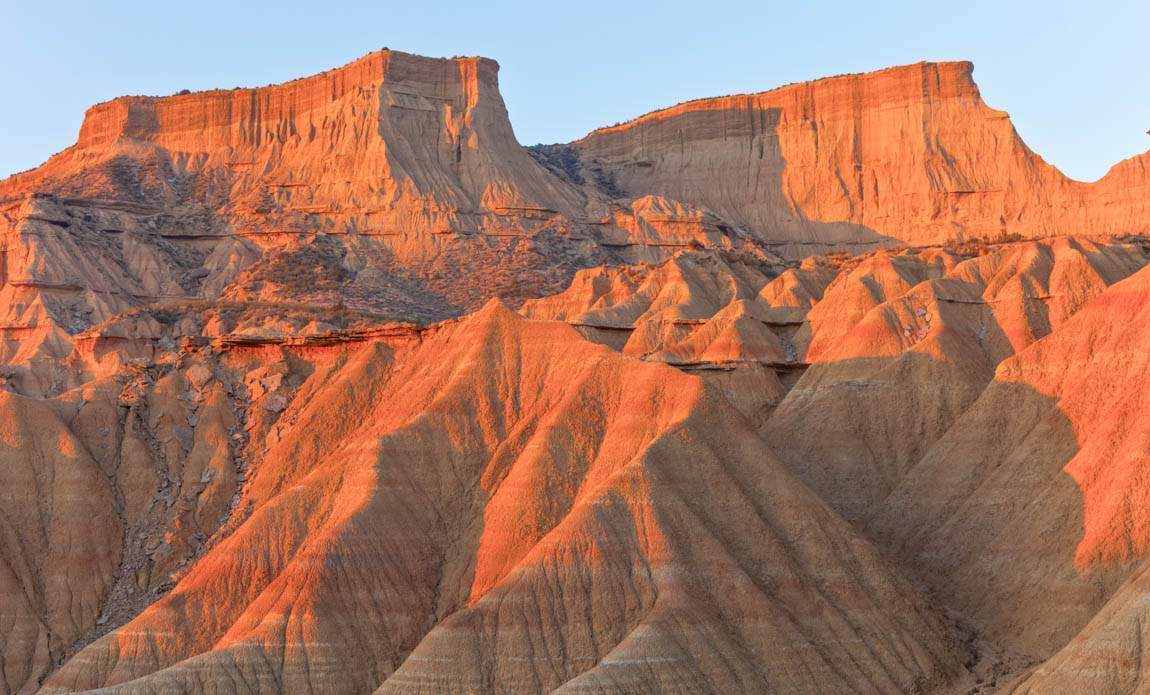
{"points": [[333, 387]]}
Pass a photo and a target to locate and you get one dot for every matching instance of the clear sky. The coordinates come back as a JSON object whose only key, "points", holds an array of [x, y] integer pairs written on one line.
{"points": [[1075, 76]]}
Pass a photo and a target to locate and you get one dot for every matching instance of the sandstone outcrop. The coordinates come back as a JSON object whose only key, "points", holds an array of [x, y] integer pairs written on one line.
{"points": [[909, 154], [502, 506], [1031, 499], [837, 387], [717, 315], [401, 173]]}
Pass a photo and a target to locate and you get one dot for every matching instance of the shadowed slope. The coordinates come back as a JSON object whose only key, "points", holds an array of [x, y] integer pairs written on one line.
{"points": [[508, 497], [59, 536], [1027, 514], [1108, 657], [928, 334], [1018, 504]]}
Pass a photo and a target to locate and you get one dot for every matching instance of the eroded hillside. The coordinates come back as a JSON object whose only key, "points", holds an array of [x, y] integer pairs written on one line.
{"points": [[331, 386]]}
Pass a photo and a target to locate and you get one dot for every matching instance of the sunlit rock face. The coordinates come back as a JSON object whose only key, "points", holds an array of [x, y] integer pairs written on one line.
{"points": [[389, 142], [399, 173], [1060, 423], [331, 386], [910, 154], [425, 513]]}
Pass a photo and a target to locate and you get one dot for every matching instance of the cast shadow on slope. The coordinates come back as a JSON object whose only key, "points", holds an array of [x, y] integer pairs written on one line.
{"points": [[509, 507], [755, 196], [987, 511], [992, 521], [58, 540]]}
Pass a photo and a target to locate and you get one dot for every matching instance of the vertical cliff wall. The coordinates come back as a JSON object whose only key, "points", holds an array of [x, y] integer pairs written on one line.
{"points": [[391, 141], [909, 153]]}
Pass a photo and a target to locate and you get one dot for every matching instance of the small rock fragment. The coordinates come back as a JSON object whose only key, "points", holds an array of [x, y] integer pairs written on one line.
{"points": [[199, 375], [275, 403]]}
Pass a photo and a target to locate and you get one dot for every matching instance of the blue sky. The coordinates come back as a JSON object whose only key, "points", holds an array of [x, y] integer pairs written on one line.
{"points": [[1074, 76]]}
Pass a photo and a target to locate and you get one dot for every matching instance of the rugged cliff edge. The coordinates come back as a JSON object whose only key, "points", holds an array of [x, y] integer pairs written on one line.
{"points": [[909, 154], [263, 427], [396, 177], [388, 140]]}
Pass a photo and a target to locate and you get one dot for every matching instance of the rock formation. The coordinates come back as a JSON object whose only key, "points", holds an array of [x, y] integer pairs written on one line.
{"points": [[902, 345], [1032, 498], [331, 386], [398, 173], [910, 154], [491, 508]]}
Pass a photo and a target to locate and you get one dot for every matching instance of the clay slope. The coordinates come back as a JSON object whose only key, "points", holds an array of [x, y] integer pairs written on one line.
{"points": [[392, 185], [910, 154], [884, 350], [728, 318], [502, 506], [59, 538], [902, 344], [973, 410], [1028, 514], [264, 429], [1108, 656]]}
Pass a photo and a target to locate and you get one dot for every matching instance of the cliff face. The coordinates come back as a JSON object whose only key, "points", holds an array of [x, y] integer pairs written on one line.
{"points": [[910, 154], [248, 442], [401, 174], [389, 142]]}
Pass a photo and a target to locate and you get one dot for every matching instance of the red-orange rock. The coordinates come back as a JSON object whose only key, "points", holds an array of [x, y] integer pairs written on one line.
{"points": [[909, 154], [266, 429], [504, 506]]}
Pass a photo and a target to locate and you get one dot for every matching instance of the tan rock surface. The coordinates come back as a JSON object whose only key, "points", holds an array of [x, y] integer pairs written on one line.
{"points": [[1026, 514], [503, 506], [910, 154], [902, 345], [265, 432]]}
